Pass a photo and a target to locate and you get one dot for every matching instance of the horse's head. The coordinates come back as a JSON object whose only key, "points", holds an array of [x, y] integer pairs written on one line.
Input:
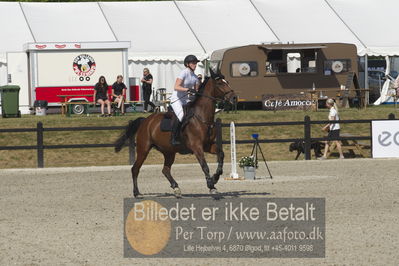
{"points": [[221, 88]]}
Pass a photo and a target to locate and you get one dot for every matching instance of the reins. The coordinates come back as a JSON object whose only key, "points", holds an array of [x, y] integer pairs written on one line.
{"points": [[214, 99]]}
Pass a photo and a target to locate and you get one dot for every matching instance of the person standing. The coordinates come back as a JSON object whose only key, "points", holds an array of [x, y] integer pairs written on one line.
{"points": [[147, 89], [101, 95], [119, 93], [334, 129]]}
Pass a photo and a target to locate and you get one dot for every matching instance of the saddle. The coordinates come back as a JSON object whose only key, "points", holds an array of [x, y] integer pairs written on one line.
{"points": [[167, 123], [169, 118]]}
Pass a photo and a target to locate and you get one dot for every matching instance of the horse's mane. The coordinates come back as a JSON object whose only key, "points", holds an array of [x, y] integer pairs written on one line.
{"points": [[189, 108]]}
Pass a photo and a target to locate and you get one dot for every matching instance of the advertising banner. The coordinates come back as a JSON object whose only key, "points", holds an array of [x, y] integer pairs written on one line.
{"points": [[238, 227], [385, 138], [286, 102]]}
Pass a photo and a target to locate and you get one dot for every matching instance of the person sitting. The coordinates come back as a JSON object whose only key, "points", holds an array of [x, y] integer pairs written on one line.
{"points": [[187, 82], [119, 93], [101, 95]]}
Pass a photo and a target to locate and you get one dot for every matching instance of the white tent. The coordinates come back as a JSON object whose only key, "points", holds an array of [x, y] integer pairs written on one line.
{"points": [[163, 32], [224, 23], [12, 38], [373, 22], [310, 21], [159, 35], [67, 22]]}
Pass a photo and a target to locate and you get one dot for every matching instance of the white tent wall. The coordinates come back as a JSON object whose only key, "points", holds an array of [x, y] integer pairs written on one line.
{"points": [[3, 74], [306, 21], [220, 24], [164, 72], [67, 22], [14, 32]]}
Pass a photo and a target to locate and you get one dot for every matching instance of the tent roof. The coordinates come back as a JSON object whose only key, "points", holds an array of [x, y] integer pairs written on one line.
{"points": [[167, 30], [371, 20], [310, 21], [156, 29], [12, 38], [224, 23], [67, 22]]}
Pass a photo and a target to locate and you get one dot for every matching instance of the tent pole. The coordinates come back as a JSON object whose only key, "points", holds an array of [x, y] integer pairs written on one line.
{"points": [[366, 78]]}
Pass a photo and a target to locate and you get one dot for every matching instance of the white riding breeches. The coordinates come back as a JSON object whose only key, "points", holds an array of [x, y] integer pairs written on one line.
{"points": [[178, 109]]}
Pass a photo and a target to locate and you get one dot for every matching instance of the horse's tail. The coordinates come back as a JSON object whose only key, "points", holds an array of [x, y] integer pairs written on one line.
{"points": [[130, 131]]}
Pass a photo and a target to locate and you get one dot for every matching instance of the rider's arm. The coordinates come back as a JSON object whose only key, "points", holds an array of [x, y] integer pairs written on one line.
{"points": [[178, 85]]}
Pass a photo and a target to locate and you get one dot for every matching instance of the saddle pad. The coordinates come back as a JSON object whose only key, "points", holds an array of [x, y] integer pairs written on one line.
{"points": [[166, 124]]}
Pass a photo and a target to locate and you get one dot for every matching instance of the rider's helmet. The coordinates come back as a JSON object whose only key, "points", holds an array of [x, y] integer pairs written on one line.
{"points": [[190, 59]]}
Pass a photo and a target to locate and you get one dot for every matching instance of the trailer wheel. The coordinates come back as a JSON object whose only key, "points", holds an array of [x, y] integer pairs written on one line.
{"points": [[78, 109]]}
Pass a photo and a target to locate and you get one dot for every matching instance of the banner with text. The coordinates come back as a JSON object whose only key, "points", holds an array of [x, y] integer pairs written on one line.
{"points": [[239, 227], [385, 138], [287, 102]]}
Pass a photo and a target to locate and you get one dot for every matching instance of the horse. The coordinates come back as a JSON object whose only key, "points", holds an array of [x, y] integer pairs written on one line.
{"points": [[198, 134]]}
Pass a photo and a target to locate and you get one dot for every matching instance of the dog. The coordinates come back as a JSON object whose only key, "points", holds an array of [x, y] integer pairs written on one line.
{"points": [[299, 146]]}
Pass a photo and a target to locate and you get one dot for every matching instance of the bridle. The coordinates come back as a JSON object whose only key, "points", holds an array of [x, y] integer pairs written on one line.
{"points": [[217, 99], [214, 99]]}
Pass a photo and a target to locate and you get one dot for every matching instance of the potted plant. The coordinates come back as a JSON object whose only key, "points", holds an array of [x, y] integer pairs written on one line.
{"points": [[249, 164]]}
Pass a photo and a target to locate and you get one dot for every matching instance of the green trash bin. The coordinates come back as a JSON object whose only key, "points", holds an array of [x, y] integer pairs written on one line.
{"points": [[10, 101]]}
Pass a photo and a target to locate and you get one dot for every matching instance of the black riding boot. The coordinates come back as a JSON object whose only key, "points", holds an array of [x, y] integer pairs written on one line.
{"points": [[176, 133]]}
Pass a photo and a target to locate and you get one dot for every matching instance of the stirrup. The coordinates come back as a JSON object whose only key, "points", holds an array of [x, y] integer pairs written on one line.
{"points": [[175, 142]]}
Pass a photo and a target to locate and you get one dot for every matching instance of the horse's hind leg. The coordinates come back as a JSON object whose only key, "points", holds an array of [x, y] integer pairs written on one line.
{"points": [[142, 152], [169, 160]]}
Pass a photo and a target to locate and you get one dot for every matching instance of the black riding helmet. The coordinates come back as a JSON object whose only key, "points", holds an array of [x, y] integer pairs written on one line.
{"points": [[190, 59]]}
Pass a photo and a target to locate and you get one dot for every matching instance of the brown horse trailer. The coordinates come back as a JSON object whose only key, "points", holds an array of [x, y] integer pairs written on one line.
{"points": [[254, 71]]}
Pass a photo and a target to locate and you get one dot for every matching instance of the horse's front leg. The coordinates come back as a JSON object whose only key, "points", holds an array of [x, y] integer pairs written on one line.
{"points": [[216, 149], [199, 153]]}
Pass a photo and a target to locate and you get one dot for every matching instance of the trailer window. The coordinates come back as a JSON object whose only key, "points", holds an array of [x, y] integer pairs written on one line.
{"points": [[297, 61], [244, 69], [336, 66]]}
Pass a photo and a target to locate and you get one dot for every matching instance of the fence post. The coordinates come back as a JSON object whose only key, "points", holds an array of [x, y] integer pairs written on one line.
{"points": [[219, 139], [391, 116], [132, 151], [307, 138], [40, 147]]}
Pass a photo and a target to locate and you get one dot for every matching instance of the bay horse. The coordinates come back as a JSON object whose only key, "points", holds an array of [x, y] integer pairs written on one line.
{"points": [[198, 135]]}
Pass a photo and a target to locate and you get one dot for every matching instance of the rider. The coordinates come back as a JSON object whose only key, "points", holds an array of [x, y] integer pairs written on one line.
{"points": [[187, 82]]}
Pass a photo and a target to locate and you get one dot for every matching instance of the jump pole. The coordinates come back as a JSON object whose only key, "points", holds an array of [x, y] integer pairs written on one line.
{"points": [[233, 173]]}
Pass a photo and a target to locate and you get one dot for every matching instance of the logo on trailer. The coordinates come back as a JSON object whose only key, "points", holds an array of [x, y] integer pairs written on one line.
{"points": [[84, 66]]}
